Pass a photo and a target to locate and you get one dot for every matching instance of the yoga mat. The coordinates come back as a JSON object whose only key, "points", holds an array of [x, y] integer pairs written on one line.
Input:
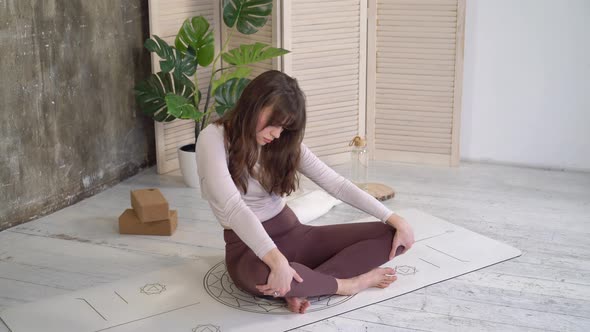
{"points": [[199, 296]]}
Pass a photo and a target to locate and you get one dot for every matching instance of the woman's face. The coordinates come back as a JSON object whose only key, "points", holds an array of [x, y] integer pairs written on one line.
{"points": [[266, 134]]}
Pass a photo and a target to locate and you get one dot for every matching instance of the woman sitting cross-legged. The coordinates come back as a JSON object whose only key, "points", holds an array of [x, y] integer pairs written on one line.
{"points": [[247, 162]]}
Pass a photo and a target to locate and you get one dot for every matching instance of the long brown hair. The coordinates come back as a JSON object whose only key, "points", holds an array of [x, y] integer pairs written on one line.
{"points": [[279, 159]]}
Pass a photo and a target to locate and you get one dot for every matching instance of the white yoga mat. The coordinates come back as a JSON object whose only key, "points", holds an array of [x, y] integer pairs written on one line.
{"points": [[200, 297]]}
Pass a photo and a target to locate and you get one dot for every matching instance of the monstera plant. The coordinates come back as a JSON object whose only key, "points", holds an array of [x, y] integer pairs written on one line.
{"points": [[173, 92]]}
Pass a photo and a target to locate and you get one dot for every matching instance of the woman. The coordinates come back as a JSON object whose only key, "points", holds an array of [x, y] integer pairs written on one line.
{"points": [[247, 161]]}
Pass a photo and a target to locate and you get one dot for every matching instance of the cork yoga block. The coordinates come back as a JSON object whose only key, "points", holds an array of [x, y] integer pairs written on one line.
{"points": [[129, 223], [380, 191], [149, 205]]}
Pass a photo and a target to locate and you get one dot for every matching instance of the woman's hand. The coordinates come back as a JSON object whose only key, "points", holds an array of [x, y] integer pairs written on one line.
{"points": [[279, 281], [281, 275], [404, 235]]}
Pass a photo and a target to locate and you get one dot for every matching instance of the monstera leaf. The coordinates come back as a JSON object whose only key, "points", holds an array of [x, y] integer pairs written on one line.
{"points": [[151, 94], [184, 64], [247, 15], [252, 53], [182, 107], [228, 93], [239, 72], [163, 50], [195, 33]]}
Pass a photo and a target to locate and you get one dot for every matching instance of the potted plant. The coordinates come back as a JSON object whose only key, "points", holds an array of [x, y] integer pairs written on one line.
{"points": [[171, 93]]}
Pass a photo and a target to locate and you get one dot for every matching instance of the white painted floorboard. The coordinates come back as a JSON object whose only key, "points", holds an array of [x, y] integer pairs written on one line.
{"points": [[546, 214]]}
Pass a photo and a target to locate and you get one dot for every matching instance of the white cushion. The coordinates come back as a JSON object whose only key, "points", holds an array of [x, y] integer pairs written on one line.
{"points": [[311, 205]]}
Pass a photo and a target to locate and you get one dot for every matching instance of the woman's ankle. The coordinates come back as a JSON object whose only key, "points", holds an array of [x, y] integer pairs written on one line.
{"points": [[345, 286]]}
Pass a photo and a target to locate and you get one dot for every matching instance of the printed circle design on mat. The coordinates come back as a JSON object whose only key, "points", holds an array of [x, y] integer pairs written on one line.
{"points": [[219, 285]]}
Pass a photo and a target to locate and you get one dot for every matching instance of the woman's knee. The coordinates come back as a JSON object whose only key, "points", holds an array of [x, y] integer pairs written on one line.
{"points": [[383, 230], [247, 275]]}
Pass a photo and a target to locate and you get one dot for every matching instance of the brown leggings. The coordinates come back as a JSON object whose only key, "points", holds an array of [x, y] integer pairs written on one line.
{"points": [[320, 254]]}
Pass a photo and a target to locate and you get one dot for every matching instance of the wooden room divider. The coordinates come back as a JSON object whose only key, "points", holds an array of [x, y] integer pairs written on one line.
{"points": [[390, 70]]}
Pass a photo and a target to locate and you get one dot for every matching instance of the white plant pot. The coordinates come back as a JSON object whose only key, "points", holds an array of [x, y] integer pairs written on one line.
{"points": [[188, 167]]}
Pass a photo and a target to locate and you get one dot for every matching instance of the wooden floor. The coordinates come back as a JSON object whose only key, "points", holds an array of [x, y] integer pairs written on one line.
{"points": [[546, 214]]}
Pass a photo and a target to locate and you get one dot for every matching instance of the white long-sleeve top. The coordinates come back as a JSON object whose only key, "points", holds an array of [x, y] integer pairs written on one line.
{"points": [[244, 213]]}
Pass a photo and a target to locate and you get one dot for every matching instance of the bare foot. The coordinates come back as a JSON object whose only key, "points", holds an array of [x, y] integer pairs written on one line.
{"points": [[297, 304], [380, 277]]}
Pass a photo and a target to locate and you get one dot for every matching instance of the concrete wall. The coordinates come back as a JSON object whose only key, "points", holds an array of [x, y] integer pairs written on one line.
{"points": [[69, 126]]}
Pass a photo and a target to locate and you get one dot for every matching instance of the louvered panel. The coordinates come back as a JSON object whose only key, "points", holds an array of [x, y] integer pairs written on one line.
{"points": [[432, 116], [426, 120], [417, 79], [396, 136], [434, 6], [172, 144], [417, 34], [325, 117], [397, 29], [400, 17], [416, 54], [419, 14], [332, 6], [408, 132], [318, 141], [184, 6], [419, 23], [343, 90], [332, 82], [332, 112], [323, 55], [392, 67], [442, 94], [166, 18], [417, 63], [321, 63], [425, 110], [329, 102], [405, 59], [319, 128], [417, 126], [399, 97], [332, 30], [180, 127], [333, 43], [411, 148], [329, 134], [322, 105], [301, 31], [331, 99], [426, 125], [434, 146], [319, 49]]}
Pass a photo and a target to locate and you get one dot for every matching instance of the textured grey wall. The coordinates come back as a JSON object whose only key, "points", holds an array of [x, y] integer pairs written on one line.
{"points": [[69, 125]]}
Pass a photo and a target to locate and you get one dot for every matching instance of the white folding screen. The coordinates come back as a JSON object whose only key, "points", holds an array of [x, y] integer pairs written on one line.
{"points": [[394, 65], [166, 17], [327, 40], [414, 80]]}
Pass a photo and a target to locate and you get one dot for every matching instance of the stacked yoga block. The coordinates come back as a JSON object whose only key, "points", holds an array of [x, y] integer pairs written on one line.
{"points": [[150, 214]]}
